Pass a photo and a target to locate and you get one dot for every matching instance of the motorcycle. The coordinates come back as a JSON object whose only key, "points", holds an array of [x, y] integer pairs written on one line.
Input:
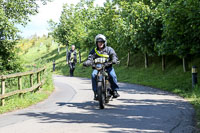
{"points": [[104, 92]]}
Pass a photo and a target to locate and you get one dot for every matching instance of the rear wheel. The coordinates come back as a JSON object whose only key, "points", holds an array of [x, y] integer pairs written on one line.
{"points": [[101, 95]]}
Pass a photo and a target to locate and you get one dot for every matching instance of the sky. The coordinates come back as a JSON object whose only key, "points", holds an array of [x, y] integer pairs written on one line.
{"points": [[52, 10]]}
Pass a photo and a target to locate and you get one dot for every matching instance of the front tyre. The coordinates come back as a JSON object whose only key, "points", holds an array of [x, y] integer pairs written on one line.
{"points": [[101, 95]]}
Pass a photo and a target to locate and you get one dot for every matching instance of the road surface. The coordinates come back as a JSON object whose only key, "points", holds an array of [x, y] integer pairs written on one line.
{"points": [[71, 109]]}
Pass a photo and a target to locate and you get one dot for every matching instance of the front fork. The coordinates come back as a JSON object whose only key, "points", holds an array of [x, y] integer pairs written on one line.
{"points": [[101, 78]]}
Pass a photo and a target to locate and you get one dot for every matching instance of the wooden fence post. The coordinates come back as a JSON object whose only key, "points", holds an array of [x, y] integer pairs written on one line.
{"points": [[146, 60], [20, 85], [38, 79], [3, 91], [31, 80], [42, 73]]}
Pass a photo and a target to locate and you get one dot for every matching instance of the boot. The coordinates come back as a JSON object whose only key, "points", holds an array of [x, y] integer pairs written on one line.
{"points": [[115, 94], [71, 73], [95, 96], [109, 93]]}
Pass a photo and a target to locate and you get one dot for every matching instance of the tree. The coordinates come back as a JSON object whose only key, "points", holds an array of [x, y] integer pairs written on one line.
{"points": [[74, 23], [13, 12], [142, 26], [126, 26], [181, 28], [144, 33], [156, 27]]}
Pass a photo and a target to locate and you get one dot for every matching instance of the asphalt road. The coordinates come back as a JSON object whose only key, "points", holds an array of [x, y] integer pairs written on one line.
{"points": [[71, 109]]}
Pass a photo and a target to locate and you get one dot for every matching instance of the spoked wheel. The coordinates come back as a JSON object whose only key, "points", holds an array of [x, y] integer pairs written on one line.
{"points": [[101, 95]]}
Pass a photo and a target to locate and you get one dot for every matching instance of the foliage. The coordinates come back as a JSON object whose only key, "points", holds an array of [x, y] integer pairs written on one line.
{"points": [[155, 27], [181, 24], [13, 12], [72, 28]]}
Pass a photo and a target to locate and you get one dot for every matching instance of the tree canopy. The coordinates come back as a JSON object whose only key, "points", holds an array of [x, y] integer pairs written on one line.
{"points": [[153, 27], [13, 12], [156, 27]]}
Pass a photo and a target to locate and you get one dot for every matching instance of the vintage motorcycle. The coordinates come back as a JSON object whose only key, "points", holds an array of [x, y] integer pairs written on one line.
{"points": [[104, 92]]}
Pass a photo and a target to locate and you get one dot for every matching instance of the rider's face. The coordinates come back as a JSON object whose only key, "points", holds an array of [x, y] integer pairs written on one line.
{"points": [[73, 47], [100, 45]]}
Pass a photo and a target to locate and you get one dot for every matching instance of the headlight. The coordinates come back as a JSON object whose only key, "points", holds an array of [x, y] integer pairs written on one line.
{"points": [[99, 66]]}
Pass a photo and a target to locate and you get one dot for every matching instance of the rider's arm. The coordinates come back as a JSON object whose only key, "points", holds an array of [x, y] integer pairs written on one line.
{"points": [[75, 57], [90, 58], [68, 56], [113, 55], [91, 55]]}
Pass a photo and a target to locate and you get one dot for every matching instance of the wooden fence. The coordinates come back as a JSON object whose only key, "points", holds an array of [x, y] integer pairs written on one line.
{"points": [[20, 91]]}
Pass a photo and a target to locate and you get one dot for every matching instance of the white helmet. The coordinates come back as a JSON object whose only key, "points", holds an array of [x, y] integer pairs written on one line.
{"points": [[100, 38]]}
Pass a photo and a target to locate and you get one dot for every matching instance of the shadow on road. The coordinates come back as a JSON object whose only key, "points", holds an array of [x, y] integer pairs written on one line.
{"points": [[127, 114], [140, 89], [143, 115]]}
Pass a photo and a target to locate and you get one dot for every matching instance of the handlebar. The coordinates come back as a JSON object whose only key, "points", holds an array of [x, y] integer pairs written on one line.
{"points": [[92, 63]]}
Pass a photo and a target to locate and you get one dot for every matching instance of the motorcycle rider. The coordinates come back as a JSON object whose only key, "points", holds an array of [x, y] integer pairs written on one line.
{"points": [[102, 50], [72, 59]]}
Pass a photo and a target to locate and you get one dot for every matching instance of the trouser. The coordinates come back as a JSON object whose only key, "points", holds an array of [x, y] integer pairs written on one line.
{"points": [[112, 79], [71, 69]]}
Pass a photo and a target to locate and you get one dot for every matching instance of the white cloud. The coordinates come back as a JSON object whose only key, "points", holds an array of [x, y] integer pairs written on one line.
{"points": [[52, 10]]}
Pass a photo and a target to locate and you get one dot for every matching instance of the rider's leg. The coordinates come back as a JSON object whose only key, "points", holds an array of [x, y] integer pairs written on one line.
{"points": [[112, 78], [71, 69], [94, 84], [113, 81]]}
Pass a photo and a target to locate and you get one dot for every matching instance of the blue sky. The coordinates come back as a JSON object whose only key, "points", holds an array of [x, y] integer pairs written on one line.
{"points": [[52, 10]]}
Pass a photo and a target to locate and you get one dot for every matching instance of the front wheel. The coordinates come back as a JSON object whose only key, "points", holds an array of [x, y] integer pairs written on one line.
{"points": [[101, 95]]}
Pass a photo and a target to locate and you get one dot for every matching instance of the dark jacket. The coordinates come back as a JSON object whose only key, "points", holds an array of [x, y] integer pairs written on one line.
{"points": [[72, 56], [107, 50]]}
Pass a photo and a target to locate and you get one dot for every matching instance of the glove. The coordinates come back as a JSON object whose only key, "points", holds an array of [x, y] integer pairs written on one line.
{"points": [[114, 61], [108, 64], [87, 63]]}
